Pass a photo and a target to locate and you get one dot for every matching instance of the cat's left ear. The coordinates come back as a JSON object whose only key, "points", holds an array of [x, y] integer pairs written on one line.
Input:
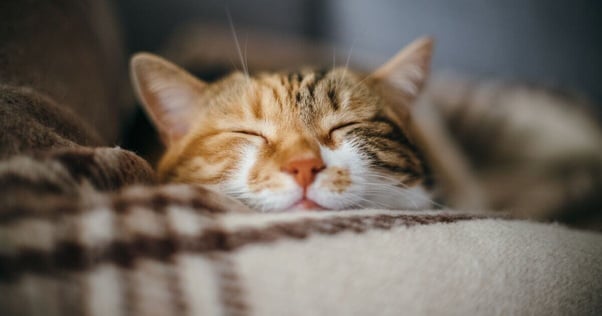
{"points": [[401, 79], [168, 93]]}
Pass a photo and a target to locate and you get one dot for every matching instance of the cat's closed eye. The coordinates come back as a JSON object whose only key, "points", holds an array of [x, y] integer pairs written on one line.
{"points": [[341, 127], [251, 133]]}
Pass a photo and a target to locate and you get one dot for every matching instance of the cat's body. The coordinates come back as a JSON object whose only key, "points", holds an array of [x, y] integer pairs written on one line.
{"points": [[530, 150]]}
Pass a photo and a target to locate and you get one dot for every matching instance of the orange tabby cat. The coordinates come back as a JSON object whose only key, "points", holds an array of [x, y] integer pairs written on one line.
{"points": [[311, 139]]}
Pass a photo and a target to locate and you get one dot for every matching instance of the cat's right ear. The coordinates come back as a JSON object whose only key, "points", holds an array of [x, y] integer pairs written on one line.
{"points": [[169, 94], [401, 79]]}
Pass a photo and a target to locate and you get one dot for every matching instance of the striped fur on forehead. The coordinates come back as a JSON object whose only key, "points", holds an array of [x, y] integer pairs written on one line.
{"points": [[315, 92]]}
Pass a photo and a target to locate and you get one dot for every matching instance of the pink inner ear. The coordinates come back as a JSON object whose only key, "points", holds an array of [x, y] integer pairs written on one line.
{"points": [[166, 121], [168, 93], [407, 71], [178, 131]]}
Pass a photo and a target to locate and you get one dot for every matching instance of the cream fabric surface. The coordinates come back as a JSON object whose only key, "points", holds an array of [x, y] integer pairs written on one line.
{"points": [[165, 253]]}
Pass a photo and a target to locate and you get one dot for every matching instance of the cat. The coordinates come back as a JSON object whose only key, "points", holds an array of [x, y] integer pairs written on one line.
{"points": [[527, 150], [309, 139]]}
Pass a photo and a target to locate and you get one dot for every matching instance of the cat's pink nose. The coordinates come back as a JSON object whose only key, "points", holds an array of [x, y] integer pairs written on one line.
{"points": [[304, 170]]}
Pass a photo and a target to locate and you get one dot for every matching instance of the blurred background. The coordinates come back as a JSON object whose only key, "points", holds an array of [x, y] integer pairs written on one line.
{"points": [[543, 41]]}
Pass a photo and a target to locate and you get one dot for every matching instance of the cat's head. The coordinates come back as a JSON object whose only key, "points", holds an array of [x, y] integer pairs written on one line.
{"points": [[330, 139]]}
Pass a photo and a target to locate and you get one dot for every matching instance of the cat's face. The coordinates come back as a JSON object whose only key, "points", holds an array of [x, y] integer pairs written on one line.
{"points": [[300, 140]]}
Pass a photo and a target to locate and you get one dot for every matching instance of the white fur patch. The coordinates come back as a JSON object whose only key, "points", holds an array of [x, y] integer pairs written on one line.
{"points": [[348, 157], [367, 188], [237, 186]]}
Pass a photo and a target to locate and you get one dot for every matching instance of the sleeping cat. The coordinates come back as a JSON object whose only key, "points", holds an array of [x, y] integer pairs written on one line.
{"points": [[379, 141], [312, 139]]}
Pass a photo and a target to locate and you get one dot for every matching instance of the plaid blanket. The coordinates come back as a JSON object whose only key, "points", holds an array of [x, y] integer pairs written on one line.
{"points": [[181, 250]]}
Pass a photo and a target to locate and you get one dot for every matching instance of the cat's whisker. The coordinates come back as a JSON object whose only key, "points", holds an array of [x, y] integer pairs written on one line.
{"points": [[374, 204], [421, 197], [410, 198], [349, 55], [360, 196], [360, 82], [334, 58], [360, 199], [342, 78], [237, 43], [392, 180], [361, 203], [246, 61], [233, 64], [394, 186]]}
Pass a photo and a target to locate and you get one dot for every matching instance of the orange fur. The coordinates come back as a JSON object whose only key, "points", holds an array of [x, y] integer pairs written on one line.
{"points": [[283, 117]]}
